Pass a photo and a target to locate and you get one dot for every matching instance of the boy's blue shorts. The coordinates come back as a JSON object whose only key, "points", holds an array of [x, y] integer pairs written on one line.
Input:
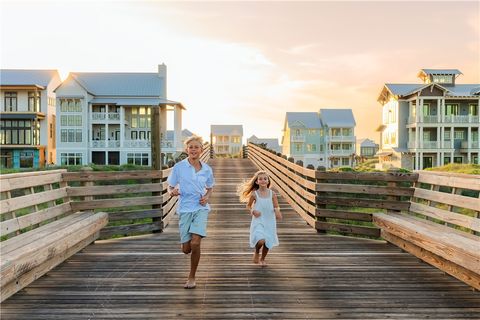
{"points": [[192, 222]]}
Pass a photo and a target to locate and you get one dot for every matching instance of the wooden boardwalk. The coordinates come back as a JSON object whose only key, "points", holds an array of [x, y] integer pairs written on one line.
{"points": [[310, 275]]}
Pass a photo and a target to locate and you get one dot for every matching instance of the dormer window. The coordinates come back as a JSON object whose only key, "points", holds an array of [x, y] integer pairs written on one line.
{"points": [[442, 78]]}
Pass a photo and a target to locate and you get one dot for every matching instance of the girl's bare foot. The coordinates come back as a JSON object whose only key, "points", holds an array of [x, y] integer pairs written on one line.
{"points": [[190, 284], [256, 257], [263, 263]]}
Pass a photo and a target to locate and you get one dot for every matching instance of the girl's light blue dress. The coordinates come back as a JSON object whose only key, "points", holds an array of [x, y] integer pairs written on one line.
{"points": [[265, 226]]}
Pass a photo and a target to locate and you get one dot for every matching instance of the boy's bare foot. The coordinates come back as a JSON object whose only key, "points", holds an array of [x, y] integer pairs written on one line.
{"points": [[263, 263], [256, 257], [190, 284]]}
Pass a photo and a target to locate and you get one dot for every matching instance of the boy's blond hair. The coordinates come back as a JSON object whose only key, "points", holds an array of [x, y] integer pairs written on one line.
{"points": [[194, 138]]}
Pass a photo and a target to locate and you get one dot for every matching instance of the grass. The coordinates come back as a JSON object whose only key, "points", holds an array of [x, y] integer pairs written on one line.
{"points": [[458, 168]]}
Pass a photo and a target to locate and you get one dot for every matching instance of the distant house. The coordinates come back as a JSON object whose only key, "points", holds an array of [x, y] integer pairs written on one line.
{"points": [[227, 140], [324, 139], [431, 123], [169, 141], [27, 112], [366, 148], [270, 143], [105, 118]]}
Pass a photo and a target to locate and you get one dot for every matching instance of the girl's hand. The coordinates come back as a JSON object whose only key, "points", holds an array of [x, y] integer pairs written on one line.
{"points": [[256, 213], [174, 192], [278, 215]]}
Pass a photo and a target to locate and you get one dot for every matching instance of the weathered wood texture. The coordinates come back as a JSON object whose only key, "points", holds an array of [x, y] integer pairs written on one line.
{"points": [[39, 229], [310, 275], [341, 202], [442, 225], [143, 206]]}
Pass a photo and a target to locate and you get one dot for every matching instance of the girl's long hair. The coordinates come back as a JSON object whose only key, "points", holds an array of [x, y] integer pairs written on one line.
{"points": [[245, 190]]}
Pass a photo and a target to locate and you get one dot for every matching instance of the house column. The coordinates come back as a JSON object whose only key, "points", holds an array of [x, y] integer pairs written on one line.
{"points": [[442, 162], [469, 144], [451, 139], [439, 140], [421, 137], [162, 131], [417, 143], [177, 136], [107, 136], [417, 110], [421, 161], [420, 109], [439, 154], [439, 110], [122, 134]]}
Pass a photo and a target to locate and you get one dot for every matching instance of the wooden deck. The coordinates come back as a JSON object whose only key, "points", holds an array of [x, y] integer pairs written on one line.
{"points": [[310, 275]]}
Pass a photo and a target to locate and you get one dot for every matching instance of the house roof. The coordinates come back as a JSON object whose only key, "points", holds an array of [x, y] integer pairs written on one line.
{"points": [[226, 130], [440, 71], [401, 89], [134, 101], [121, 84], [270, 142], [27, 77], [337, 117], [310, 120], [366, 143], [170, 133]]}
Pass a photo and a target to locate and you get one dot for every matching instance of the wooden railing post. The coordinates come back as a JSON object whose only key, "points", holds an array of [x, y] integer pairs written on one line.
{"points": [[319, 206], [88, 183]]}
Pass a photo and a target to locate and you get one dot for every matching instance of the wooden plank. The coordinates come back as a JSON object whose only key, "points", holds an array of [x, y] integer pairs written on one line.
{"points": [[16, 263], [113, 189], [13, 181], [112, 175], [453, 180], [126, 230], [364, 203], [348, 228], [367, 176], [455, 270], [31, 219], [364, 189], [443, 241], [448, 198], [346, 215], [12, 287], [13, 204], [136, 214], [447, 216], [115, 203]]}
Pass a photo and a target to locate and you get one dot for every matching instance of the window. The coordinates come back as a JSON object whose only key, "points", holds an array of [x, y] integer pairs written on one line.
{"points": [[447, 135], [26, 159], [346, 146], [140, 117], [16, 132], [442, 78], [446, 160], [311, 147], [321, 148], [336, 132], [452, 110], [473, 109], [312, 132], [71, 135], [427, 109], [459, 135], [345, 162], [71, 159], [70, 105], [139, 159], [335, 146], [134, 135], [298, 147], [34, 101], [321, 132], [346, 132], [10, 101], [297, 132], [458, 159]]}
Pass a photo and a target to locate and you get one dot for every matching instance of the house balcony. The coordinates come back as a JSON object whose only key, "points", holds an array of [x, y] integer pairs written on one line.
{"points": [[137, 144], [103, 116], [461, 119], [105, 144], [341, 138], [471, 145], [429, 145], [297, 138], [340, 152]]}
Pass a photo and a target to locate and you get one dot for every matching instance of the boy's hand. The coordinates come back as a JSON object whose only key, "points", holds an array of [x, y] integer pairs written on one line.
{"points": [[204, 200], [256, 213], [173, 192]]}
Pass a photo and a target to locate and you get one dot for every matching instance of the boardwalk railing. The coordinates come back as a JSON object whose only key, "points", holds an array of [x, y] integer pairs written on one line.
{"points": [[342, 202], [432, 215]]}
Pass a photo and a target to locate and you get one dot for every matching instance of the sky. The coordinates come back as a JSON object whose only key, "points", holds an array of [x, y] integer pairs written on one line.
{"points": [[250, 62]]}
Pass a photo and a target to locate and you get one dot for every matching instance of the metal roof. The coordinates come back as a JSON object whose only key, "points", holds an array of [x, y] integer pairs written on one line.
{"points": [[121, 84], [441, 71], [337, 117], [27, 77], [226, 130], [134, 101], [310, 120]]}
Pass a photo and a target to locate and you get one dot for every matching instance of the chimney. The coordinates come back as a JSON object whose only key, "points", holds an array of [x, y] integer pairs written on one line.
{"points": [[162, 73]]}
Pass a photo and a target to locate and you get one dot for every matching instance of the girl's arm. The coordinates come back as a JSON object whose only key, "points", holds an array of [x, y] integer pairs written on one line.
{"points": [[253, 212], [276, 207]]}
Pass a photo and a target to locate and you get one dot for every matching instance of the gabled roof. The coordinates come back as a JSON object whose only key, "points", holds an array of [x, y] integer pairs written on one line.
{"points": [[121, 84], [464, 90], [366, 143], [402, 89], [309, 119], [440, 71], [271, 143], [236, 130], [170, 133], [337, 117], [27, 77]]}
